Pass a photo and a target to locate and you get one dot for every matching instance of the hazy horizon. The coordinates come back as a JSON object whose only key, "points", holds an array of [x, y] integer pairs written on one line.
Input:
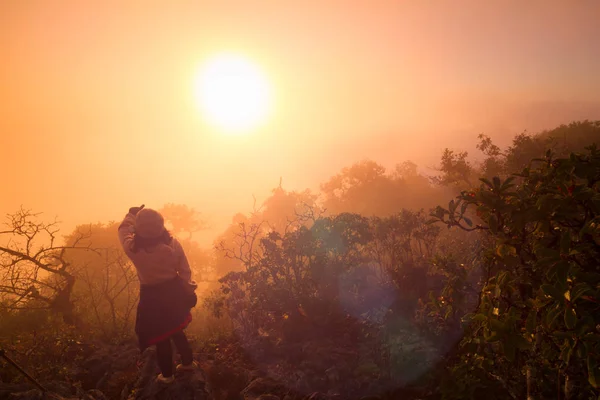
{"points": [[98, 112]]}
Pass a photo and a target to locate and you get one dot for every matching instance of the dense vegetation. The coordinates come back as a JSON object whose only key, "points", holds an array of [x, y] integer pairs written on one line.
{"points": [[375, 286]]}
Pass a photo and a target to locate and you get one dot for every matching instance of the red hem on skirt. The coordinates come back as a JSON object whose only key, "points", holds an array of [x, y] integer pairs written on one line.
{"points": [[167, 335]]}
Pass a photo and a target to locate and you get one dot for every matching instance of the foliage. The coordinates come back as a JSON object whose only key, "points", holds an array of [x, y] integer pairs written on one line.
{"points": [[281, 212], [457, 171], [355, 282], [366, 188], [345, 279], [539, 308], [47, 353]]}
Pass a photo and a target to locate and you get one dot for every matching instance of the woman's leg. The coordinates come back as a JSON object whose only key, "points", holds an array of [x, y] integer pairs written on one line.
{"points": [[164, 356], [183, 347]]}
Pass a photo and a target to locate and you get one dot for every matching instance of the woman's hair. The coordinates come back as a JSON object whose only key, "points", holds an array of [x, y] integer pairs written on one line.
{"points": [[143, 243]]}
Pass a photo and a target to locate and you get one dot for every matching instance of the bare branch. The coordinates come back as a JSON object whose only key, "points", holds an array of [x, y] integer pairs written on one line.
{"points": [[33, 266]]}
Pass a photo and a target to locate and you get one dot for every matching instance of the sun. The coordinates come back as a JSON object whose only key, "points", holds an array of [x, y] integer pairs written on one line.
{"points": [[233, 93]]}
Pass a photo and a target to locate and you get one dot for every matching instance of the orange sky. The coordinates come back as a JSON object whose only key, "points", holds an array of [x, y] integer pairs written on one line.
{"points": [[97, 108]]}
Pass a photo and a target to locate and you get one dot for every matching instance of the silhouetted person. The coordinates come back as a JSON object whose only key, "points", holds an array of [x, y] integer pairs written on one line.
{"points": [[166, 289]]}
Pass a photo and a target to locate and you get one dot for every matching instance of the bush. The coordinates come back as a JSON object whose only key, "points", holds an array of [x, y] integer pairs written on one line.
{"points": [[536, 325]]}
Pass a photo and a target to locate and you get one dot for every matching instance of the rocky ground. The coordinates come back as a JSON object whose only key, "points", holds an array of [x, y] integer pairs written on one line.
{"points": [[228, 371]]}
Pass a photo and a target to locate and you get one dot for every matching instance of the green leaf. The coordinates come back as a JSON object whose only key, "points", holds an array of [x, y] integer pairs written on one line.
{"points": [[494, 337], [439, 212], [587, 324], [579, 290], [531, 321], [451, 206], [508, 182], [448, 312], [565, 242], [504, 250], [496, 325], [593, 371], [552, 291], [522, 343], [479, 317], [497, 182], [570, 318], [562, 272], [487, 182], [510, 348], [566, 354], [543, 252], [468, 221], [582, 351], [563, 335], [502, 277], [552, 315]]}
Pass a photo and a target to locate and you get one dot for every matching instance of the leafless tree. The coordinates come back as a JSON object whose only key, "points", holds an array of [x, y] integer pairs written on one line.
{"points": [[111, 293], [34, 272]]}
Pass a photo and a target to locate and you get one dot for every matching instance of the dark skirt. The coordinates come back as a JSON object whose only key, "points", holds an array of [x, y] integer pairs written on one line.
{"points": [[163, 309]]}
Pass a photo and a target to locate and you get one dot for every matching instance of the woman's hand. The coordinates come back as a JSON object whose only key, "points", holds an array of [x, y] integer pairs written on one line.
{"points": [[135, 210]]}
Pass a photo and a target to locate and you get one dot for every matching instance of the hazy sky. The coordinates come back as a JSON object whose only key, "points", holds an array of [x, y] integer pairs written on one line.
{"points": [[97, 108]]}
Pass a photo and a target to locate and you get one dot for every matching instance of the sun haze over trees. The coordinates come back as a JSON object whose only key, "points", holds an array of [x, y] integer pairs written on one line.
{"points": [[481, 278]]}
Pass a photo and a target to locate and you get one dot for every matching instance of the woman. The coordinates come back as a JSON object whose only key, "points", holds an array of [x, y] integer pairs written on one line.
{"points": [[166, 289]]}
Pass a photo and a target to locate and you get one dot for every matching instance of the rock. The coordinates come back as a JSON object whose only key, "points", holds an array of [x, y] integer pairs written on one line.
{"points": [[6, 389], [227, 376], [263, 386], [56, 391], [268, 397], [255, 374], [116, 376], [95, 395], [188, 386], [107, 368], [125, 359], [92, 371], [334, 395], [317, 396], [33, 394], [333, 375]]}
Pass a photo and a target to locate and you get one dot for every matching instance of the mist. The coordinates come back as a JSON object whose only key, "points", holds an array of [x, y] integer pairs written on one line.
{"points": [[108, 114], [324, 220]]}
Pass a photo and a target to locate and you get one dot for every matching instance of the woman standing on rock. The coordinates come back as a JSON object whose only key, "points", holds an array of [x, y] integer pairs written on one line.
{"points": [[166, 289]]}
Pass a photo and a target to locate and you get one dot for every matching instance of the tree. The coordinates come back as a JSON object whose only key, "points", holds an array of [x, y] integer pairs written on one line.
{"points": [[366, 188], [456, 170], [106, 291], [35, 272], [362, 188], [539, 306], [494, 163], [183, 220], [283, 211], [574, 137]]}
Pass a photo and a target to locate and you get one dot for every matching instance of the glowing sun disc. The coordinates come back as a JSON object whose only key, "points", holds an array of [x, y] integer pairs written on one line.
{"points": [[233, 93]]}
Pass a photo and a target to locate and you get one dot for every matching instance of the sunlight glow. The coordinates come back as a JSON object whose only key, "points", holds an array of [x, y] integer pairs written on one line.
{"points": [[233, 93]]}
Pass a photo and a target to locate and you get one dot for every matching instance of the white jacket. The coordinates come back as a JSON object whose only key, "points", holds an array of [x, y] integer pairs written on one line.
{"points": [[158, 264]]}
